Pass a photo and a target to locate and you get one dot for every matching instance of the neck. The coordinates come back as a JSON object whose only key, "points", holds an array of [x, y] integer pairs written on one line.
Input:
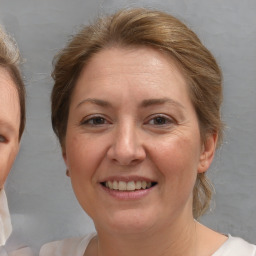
{"points": [[176, 239]]}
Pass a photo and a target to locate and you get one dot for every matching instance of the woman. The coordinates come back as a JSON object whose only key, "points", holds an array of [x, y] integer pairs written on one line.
{"points": [[12, 122], [136, 108]]}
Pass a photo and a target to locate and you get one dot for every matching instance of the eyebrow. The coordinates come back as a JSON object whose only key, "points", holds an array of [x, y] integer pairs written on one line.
{"points": [[98, 102], [144, 103], [7, 126], [160, 101]]}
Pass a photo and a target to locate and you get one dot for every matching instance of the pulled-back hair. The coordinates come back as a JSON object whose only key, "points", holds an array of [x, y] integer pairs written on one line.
{"points": [[163, 32], [10, 60]]}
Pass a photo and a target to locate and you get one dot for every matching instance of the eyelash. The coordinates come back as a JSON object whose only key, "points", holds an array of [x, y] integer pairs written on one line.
{"points": [[163, 118], [90, 120], [98, 120], [2, 139]]}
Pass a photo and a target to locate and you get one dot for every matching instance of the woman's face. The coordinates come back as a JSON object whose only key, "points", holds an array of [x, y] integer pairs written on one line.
{"points": [[133, 145], [9, 124]]}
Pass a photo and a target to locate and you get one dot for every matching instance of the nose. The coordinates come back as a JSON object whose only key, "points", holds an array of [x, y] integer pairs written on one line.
{"points": [[126, 147]]}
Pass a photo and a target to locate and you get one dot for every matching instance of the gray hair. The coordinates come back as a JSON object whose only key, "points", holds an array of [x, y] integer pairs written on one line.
{"points": [[10, 60]]}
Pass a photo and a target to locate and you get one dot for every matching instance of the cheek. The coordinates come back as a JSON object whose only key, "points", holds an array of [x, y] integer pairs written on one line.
{"points": [[177, 159], [6, 162], [3, 176], [83, 155]]}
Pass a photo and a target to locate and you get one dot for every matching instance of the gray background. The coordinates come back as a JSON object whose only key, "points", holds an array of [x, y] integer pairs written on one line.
{"points": [[40, 195]]}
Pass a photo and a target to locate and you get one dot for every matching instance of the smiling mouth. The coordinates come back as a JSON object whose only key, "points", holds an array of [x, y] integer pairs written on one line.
{"points": [[128, 186]]}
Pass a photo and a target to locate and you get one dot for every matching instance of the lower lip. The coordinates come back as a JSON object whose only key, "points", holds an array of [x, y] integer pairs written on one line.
{"points": [[127, 195]]}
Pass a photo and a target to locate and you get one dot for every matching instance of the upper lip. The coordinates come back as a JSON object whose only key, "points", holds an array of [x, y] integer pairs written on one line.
{"points": [[126, 178]]}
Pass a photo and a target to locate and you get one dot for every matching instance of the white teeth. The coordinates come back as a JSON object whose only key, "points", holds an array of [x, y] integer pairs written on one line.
{"points": [[109, 184], [143, 184], [115, 184], [138, 185], [122, 185], [128, 186]]}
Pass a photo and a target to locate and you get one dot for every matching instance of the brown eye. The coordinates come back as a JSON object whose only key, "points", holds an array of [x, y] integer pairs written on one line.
{"points": [[2, 139], [96, 120], [160, 120]]}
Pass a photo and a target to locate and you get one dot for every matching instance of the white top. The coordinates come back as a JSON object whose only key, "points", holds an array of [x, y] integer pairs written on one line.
{"points": [[21, 252], [6, 229], [5, 219], [234, 246]]}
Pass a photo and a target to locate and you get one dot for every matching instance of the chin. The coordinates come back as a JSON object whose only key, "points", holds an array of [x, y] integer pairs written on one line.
{"points": [[127, 222]]}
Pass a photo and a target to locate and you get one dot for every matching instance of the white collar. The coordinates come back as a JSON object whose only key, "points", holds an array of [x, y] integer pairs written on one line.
{"points": [[5, 219]]}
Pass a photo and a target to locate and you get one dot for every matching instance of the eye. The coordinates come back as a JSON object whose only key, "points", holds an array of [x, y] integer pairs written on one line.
{"points": [[94, 121], [161, 120], [2, 139]]}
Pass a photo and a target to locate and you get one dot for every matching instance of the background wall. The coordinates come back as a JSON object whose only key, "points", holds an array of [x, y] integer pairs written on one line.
{"points": [[41, 200]]}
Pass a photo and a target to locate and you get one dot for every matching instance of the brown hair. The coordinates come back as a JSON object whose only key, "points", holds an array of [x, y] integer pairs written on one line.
{"points": [[150, 28], [9, 60]]}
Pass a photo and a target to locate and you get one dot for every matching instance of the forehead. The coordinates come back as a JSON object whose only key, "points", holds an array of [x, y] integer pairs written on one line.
{"points": [[141, 67], [120, 58], [7, 85], [9, 102]]}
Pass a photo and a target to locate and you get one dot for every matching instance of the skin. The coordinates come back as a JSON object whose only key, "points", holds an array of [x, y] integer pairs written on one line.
{"points": [[9, 124], [131, 120]]}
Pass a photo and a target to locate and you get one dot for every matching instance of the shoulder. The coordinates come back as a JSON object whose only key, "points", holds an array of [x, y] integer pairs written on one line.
{"points": [[26, 251], [22, 252], [70, 246], [236, 246]]}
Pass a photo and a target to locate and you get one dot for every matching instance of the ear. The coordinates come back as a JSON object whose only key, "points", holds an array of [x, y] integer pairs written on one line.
{"points": [[208, 151], [64, 155]]}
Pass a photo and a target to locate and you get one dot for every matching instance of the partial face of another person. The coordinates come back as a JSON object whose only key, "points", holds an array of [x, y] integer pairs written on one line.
{"points": [[133, 146], [9, 124]]}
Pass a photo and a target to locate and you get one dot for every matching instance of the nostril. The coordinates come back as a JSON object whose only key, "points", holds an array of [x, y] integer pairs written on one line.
{"points": [[127, 156], [126, 148], [126, 162]]}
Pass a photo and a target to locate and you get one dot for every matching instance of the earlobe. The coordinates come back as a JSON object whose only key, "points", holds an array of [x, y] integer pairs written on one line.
{"points": [[65, 160], [208, 151], [64, 155]]}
